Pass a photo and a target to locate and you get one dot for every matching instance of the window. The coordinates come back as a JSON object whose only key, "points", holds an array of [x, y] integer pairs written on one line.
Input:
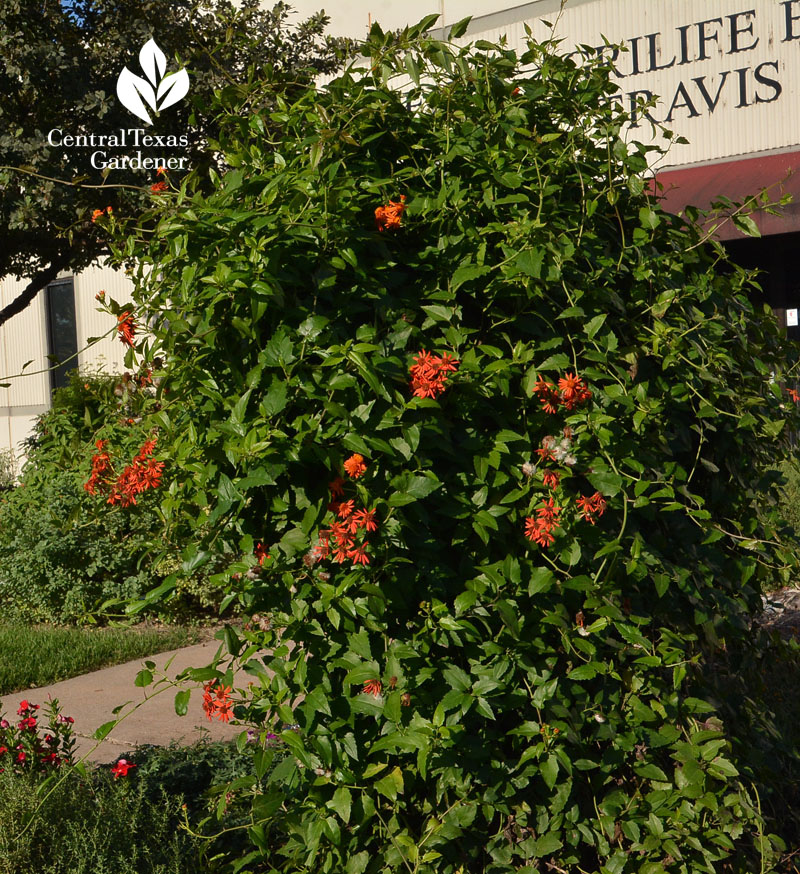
{"points": [[62, 332]]}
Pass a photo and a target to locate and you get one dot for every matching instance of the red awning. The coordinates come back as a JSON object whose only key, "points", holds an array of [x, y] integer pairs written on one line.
{"points": [[737, 180]]}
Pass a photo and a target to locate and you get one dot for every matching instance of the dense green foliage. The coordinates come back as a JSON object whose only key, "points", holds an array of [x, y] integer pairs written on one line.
{"points": [[472, 701]]}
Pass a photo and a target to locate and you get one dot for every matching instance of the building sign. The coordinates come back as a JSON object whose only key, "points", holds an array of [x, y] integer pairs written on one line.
{"points": [[727, 77]]}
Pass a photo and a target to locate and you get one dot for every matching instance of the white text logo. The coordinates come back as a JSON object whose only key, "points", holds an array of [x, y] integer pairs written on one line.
{"points": [[159, 92]]}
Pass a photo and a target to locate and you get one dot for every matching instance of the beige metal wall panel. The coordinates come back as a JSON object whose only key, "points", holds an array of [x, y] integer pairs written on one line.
{"points": [[23, 339], [108, 353], [727, 76]]}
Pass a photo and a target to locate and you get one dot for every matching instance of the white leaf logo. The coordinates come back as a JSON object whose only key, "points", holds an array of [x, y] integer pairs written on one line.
{"points": [[159, 92]]}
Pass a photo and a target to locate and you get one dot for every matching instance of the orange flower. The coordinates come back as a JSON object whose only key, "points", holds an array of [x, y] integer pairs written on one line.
{"points": [[592, 507], [355, 466], [162, 171], [573, 391], [345, 509], [548, 396], [217, 704], [96, 214], [429, 373], [373, 687], [359, 554], [158, 187], [551, 479], [126, 327], [794, 395], [388, 217], [366, 519], [538, 532]]}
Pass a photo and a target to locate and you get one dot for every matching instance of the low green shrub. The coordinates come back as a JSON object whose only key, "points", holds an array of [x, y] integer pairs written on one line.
{"points": [[99, 824]]}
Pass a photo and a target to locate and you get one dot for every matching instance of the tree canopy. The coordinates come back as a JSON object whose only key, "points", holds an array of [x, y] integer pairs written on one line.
{"points": [[58, 71]]}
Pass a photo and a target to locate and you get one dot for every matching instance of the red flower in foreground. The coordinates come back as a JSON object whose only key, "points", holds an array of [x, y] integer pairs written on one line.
{"points": [[429, 374], [26, 705], [158, 187], [365, 519], [126, 328], [355, 466], [345, 509], [389, 217], [794, 395], [121, 768], [373, 687], [539, 529]]}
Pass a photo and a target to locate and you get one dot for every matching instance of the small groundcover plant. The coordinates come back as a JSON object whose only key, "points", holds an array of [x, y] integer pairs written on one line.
{"points": [[479, 431]]}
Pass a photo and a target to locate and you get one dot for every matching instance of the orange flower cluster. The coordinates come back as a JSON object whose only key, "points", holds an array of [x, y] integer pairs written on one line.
{"points": [[794, 395], [126, 328], [100, 212], [355, 466], [158, 187], [388, 217], [429, 374], [571, 391], [540, 529], [101, 466], [592, 507], [339, 540], [143, 474], [216, 701]]}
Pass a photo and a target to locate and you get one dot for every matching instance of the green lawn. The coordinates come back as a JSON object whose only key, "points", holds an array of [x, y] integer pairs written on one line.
{"points": [[39, 655]]}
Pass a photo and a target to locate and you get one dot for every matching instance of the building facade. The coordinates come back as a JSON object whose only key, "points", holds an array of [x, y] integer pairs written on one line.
{"points": [[40, 345]]}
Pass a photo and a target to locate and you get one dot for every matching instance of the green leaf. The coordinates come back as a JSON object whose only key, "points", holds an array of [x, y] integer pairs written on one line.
{"points": [[459, 28], [606, 482], [549, 770], [594, 325], [391, 785], [182, 701], [143, 678], [341, 803], [104, 729]]}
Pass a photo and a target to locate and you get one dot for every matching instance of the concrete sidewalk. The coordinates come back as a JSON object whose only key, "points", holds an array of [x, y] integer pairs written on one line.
{"points": [[90, 698]]}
